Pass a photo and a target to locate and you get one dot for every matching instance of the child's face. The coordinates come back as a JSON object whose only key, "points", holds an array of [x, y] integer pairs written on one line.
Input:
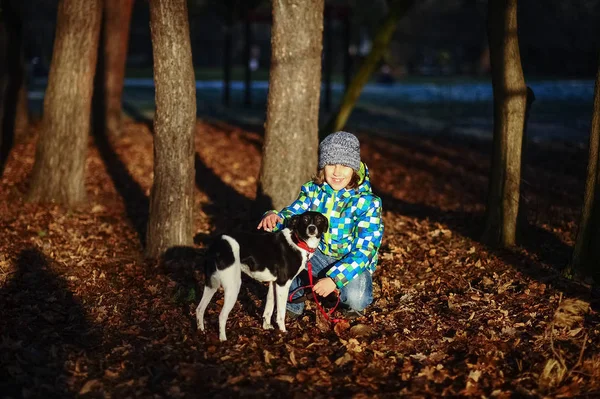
{"points": [[338, 176]]}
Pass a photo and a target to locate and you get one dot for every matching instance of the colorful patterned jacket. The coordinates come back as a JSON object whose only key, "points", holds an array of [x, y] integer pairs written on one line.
{"points": [[355, 225]]}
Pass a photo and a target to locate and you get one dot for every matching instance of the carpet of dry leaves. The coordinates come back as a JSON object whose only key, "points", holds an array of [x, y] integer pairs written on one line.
{"points": [[83, 314]]}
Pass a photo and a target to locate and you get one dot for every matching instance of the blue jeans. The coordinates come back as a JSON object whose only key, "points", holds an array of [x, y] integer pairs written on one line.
{"points": [[357, 294]]}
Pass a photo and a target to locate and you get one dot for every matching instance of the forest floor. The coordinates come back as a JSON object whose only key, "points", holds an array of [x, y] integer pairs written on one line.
{"points": [[82, 313]]}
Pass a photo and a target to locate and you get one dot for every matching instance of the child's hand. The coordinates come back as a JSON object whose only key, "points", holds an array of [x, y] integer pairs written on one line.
{"points": [[324, 287], [269, 222]]}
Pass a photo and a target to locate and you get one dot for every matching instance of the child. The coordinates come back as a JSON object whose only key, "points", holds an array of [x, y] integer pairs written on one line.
{"points": [[347, 254]]}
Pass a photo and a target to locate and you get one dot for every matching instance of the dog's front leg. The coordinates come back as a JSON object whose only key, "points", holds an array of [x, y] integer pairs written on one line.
{"points": [[268, 313], [282, 296]]}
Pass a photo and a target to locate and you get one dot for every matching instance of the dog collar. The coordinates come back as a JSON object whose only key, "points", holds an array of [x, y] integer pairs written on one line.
{"points": [[302, 244]]}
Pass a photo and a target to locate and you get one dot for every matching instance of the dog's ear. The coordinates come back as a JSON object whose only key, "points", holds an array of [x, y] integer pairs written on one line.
{"points": [[293, 222], [324, 223]]}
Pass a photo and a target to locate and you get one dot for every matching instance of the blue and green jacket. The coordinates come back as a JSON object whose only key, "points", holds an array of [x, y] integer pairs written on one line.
{"points": [[355, 225]]}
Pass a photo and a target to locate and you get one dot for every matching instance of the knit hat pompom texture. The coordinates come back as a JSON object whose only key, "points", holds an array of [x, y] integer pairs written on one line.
{"points": [[341, 148]]}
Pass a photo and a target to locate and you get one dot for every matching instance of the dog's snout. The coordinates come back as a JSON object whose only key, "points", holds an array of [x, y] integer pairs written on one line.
{"points": [[312, 229]]}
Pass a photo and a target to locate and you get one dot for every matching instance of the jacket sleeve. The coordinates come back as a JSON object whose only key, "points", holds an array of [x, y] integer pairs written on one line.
{"points": [[300, 205], [367, 240]]}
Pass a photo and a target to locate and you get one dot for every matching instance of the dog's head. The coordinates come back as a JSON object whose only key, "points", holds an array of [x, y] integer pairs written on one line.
{"points": [[309, 226]]}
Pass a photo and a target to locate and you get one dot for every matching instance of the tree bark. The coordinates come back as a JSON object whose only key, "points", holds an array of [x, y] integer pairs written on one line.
{"points": [[291, 137], [13, 107], [22, 111], [58, 173], [171, 200], [5, 137], [586, 254], [117, 20], [380, 44], [510, 98]]}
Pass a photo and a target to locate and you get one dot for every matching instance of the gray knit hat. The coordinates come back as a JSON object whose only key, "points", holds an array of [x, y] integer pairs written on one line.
{"points": [[340, 148]]}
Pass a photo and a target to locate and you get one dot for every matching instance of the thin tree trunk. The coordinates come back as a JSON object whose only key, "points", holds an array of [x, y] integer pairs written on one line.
{"points": [[510, 94], [22, 112], [5, 136], [380, 44], [58, 173], [117, 20], [586, 253], [171, 200], [291, 137]]}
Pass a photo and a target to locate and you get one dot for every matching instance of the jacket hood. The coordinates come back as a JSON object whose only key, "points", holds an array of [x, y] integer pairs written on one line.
{"points": [[365, 180]]}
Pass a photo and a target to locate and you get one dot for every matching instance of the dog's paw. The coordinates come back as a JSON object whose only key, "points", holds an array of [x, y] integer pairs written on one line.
{"points": [[267, 326], [222, 337], [200, 325]]}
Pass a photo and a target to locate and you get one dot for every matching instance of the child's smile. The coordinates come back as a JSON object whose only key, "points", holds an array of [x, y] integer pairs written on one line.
{"points": [[338, 176]]}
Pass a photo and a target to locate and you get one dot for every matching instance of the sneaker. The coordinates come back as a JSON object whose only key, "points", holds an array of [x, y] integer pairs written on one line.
{"points": [[292, 315], [351, 314]]}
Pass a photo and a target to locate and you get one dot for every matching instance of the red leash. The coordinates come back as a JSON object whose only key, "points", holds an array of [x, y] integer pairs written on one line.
{"points": [[327, 315]]}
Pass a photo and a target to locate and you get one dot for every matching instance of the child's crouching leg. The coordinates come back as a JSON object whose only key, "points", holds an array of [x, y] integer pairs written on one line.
{"points": [[295, 310], [358, 293]]}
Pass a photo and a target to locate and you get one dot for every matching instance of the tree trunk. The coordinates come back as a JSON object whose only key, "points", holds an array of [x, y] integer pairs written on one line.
{"points": [[13, 110], [58, 173], [586, 254], [510, 98], [291, 136], [380, 44], [5, 137], [117, 20], [522, 222], [22, 111], [171, 200]]}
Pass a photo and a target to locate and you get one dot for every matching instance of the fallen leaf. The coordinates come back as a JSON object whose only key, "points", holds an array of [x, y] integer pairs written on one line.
{"points": [[91, 385], [293, 359], [361, 330], [286, 378], [341, 326], [340, 361]]}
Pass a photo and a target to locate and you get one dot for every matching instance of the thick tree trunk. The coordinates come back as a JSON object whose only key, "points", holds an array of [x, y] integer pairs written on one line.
{"points": [[510, 99], [117, 20], [58, 173], [13, 110], [522, 222], [171, 201], [380, 44], [291, 137], [586, 254]]}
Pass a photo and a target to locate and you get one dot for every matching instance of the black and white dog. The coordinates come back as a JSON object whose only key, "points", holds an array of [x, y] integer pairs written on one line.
{"points": [[276, 258]]}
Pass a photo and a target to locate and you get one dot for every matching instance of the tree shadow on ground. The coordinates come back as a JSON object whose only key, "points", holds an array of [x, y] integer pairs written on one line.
{"points": [[545, 246], [44, 331], [136, 202], [229, 210], [137, 115], [543, 255]]}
